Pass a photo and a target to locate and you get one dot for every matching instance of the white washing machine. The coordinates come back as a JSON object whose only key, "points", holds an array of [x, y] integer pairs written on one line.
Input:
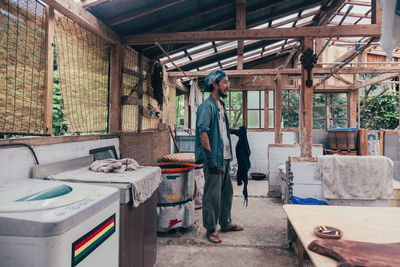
{"points": [[58, 224]]}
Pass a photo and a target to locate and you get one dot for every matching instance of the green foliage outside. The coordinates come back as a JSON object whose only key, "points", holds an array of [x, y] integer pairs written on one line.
{"points": [[59, 125], [180, 110], [382, 112], [290, 108]]}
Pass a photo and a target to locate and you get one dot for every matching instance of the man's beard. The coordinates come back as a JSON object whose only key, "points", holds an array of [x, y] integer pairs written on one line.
{"points": [[221, 94]]}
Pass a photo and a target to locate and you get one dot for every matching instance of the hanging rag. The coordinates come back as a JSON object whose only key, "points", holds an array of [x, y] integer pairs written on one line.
{"points": [[243, 158], [390, 37], [194, 100]]}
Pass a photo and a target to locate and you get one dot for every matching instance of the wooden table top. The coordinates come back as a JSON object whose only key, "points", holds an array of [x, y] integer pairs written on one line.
{"points": [[366, 224]]}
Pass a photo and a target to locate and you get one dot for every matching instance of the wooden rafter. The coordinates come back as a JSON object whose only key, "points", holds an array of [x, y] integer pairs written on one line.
{"points": [[137, 13], [240, 25], [376, 79], [291, 71], [255, 34], [74, 11]]}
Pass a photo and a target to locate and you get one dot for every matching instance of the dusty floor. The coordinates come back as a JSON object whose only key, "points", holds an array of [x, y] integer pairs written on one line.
{"points": [[262, 243]]}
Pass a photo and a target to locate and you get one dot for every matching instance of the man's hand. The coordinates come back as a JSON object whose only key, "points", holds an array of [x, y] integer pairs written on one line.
{"points": [[211, 163]]}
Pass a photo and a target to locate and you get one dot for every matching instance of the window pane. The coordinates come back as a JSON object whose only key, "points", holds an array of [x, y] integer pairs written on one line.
{"points": [[294, 99], [253, 119], [319, 124], [337, 99], [319, 99], [271, 99], [253, 99], [319, 112], [262, 119], [262, 96], [236, 119], [338, 112], [293, 119], [338, 123], [285, 118], [236, 100], [271, 119], [284, 102]]}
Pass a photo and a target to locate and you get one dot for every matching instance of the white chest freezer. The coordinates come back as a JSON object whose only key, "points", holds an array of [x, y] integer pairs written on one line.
{"points": [[47, 224]]}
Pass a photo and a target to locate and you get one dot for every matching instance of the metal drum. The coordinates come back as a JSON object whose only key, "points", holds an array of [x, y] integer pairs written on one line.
{"points": [[176, 216]]}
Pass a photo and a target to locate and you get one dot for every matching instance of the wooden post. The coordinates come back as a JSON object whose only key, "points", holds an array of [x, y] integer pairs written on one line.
{"points": [[114, 119], [363, 142], [240, 25], [140, 90], [245, 108], [186, 123], [382, 143], [278, 110], [376, 10], [306, 102], [353, 108], [266, 109], [48, 76]]}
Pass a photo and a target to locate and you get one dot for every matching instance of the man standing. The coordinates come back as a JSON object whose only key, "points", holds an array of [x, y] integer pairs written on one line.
{"points": [[213, 149]]}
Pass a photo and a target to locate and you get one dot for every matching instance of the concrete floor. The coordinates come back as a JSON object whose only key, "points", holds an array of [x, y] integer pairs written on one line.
{"points": [[262, 243]]}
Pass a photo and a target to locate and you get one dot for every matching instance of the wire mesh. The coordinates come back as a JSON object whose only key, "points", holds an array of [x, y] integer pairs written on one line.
{"points": [[83, 63], [130, 112], [22, 66]]}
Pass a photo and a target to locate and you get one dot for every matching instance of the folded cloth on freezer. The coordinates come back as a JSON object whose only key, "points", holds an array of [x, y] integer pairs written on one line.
{"points": [[356, 177], [114, 165], [144, 181]]}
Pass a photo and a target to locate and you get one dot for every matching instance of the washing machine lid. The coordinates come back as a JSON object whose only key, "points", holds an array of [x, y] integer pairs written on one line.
{"points": [[38, 208], [33, 196]]}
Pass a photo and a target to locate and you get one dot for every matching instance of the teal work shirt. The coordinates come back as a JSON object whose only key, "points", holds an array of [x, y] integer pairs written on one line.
{"points": [[207, 120]]}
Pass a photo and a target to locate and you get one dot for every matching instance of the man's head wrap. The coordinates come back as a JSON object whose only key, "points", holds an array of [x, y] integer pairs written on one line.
{"points": [[214, 76]]}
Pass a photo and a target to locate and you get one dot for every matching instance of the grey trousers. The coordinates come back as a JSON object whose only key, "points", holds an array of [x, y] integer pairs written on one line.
{"points": [[217, 198]]}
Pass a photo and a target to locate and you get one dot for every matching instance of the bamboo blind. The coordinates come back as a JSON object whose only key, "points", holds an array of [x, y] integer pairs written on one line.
{"points": [[83, 63], [147, 123], [22, 66], [130, 112]]}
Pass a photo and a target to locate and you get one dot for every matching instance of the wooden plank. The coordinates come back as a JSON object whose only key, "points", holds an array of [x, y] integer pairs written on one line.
{"points": [[291, 71], [75, 12], [382, 143], [376, 79], [353, 107], [306, 105], [304, 218], [48, 76], [278, 110], [114, 118], [376, 11], [240, 25], [39, 141], [137, 13], [363, 142], [255, 34], [245, 108]]}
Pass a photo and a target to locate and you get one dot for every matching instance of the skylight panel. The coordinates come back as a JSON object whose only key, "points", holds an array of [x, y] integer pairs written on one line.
{"points": [[198, 47], [208, 51], [307, 11], [305, 20], [288, 17]]}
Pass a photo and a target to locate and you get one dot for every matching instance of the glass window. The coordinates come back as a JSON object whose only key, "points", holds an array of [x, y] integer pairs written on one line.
{"points": [[290, 108], [234, 108], [330, 110], [255, 109]]}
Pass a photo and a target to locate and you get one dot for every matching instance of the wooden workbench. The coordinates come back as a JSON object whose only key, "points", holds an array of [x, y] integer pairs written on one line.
{"points": [[368, 224]]}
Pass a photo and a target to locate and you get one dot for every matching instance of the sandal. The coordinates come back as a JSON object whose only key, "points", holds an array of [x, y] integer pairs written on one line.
{"points": [[231, 227], [213, 237]]}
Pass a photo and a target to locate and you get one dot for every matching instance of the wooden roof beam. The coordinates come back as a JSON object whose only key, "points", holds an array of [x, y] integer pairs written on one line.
{"points": [[75, 12], [240, 25], [292, 71], [90, 3], [255, 34], [376, 79]]}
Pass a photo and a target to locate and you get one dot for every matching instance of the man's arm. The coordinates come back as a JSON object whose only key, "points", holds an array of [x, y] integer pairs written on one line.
{"points": [[205, 142]]}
